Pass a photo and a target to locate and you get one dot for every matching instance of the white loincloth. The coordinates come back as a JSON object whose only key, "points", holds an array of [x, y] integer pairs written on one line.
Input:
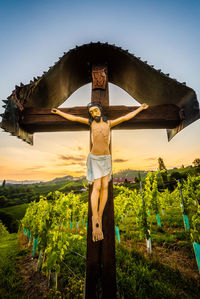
{"points": [[98, 167]]}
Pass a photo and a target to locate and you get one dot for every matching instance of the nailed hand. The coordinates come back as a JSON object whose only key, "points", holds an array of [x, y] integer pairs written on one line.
{"points": [[54, 110], [144, 106]]}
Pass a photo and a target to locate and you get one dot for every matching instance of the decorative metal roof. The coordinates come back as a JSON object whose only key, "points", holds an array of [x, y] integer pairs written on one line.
{"points": [[73, 70]]}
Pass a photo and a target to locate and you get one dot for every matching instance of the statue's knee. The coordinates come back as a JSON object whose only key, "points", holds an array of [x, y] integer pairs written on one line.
{"points": [[104, 186], [97, 187]]}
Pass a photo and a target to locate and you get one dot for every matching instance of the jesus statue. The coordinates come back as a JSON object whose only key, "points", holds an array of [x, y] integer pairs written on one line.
{"points": [[99, 169]]}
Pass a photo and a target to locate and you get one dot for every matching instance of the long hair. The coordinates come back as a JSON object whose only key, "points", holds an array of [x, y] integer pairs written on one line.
{"points": [[100, 108]]}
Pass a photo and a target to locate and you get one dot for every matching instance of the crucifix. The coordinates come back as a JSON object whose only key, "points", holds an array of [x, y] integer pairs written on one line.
{"points": [[99, 173], [172, 105], [99, 169]]}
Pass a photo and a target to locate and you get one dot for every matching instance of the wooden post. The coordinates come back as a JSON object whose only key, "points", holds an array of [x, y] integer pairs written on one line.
{"points": [[100, 266]]}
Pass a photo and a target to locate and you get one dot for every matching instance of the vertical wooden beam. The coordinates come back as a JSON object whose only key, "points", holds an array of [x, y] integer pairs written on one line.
{"points": [[100, 266]]}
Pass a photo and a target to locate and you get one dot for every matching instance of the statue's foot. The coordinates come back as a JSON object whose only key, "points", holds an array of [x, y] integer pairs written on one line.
{"points": [[97, 234], [100, 222]]}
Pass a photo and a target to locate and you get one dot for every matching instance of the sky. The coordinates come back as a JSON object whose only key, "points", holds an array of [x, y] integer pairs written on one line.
{"points": [[34, 34]]}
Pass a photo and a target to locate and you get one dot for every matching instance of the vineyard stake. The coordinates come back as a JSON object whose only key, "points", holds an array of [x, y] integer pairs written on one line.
{"points": [[148, 239], [185, 217]]}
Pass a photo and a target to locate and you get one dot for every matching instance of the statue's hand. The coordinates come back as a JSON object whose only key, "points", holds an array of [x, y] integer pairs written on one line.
{"points": [[144, 106], [54, 110]]}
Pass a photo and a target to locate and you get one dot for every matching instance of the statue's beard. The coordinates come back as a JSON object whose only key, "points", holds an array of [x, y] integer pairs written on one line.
{"points": [[97, 119]]}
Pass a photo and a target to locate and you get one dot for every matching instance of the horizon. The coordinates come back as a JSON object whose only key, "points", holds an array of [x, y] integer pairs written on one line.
{"points": [[122, 170]]}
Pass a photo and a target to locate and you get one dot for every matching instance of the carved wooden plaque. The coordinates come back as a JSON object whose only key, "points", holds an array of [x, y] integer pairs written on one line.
{"points": [[99, 79]]}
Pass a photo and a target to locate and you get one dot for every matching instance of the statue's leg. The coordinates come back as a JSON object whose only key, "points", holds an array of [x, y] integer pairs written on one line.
{"points": [[103, 196], [97, 234]]}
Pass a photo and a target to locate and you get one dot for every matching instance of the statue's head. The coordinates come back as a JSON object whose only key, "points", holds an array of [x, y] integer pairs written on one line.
{"points": [[95, 112]]}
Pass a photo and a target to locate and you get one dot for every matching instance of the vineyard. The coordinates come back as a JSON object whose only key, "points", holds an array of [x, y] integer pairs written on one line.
{"points": [[148, 223]]}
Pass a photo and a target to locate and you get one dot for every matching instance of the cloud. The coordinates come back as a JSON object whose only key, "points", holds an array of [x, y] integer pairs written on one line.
{"points": [[80, 158], [119, 160], [71, 163], [78, 171], [34, 168], [151, 159]]}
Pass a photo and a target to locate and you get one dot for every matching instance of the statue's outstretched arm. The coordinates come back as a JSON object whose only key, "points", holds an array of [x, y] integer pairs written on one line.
{"points": [[70, 116], [128, 116]]}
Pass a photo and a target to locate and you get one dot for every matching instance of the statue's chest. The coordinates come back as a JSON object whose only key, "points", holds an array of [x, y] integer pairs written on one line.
{"points": [[100, 130]]}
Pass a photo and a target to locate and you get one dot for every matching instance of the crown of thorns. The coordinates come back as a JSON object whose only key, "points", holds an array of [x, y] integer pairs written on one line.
{"points": [[94, 104]]}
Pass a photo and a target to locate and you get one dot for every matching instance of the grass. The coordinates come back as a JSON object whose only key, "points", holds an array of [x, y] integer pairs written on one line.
{"points": [[9, 281], [171, 270], [141, 277]]}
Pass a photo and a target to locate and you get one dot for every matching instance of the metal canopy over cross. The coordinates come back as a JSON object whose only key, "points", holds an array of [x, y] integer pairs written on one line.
{"points": [[173, 106]]}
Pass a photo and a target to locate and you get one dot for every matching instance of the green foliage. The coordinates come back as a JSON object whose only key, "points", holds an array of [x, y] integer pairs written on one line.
{"points": [[74, 288], [136, 277], [163, 174], [176, 175], [130, 202], [151, 192], [139, 176], [186, 203], [144, 227], [195, 232], [16, 195], [3, 201], [48, 220], [3, 230], [166, 199], [191, 191]]}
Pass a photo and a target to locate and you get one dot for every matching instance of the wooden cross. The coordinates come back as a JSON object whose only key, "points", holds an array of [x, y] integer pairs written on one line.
{"points": [[173, 106], [100, 265]]}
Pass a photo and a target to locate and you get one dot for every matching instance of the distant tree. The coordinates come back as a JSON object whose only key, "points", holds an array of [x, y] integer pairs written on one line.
{"points": [[182, 166], [164, 179], [163, 171], [4, 183], [136, 180], [161, 164], [139, 176], [196, 162]]}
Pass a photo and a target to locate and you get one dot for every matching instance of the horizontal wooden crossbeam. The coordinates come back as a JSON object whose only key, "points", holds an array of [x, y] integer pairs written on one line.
{"points": [[155, 117]]}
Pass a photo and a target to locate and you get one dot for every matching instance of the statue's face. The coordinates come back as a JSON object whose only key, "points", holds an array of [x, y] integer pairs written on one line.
{"points": [[95, 112]]}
